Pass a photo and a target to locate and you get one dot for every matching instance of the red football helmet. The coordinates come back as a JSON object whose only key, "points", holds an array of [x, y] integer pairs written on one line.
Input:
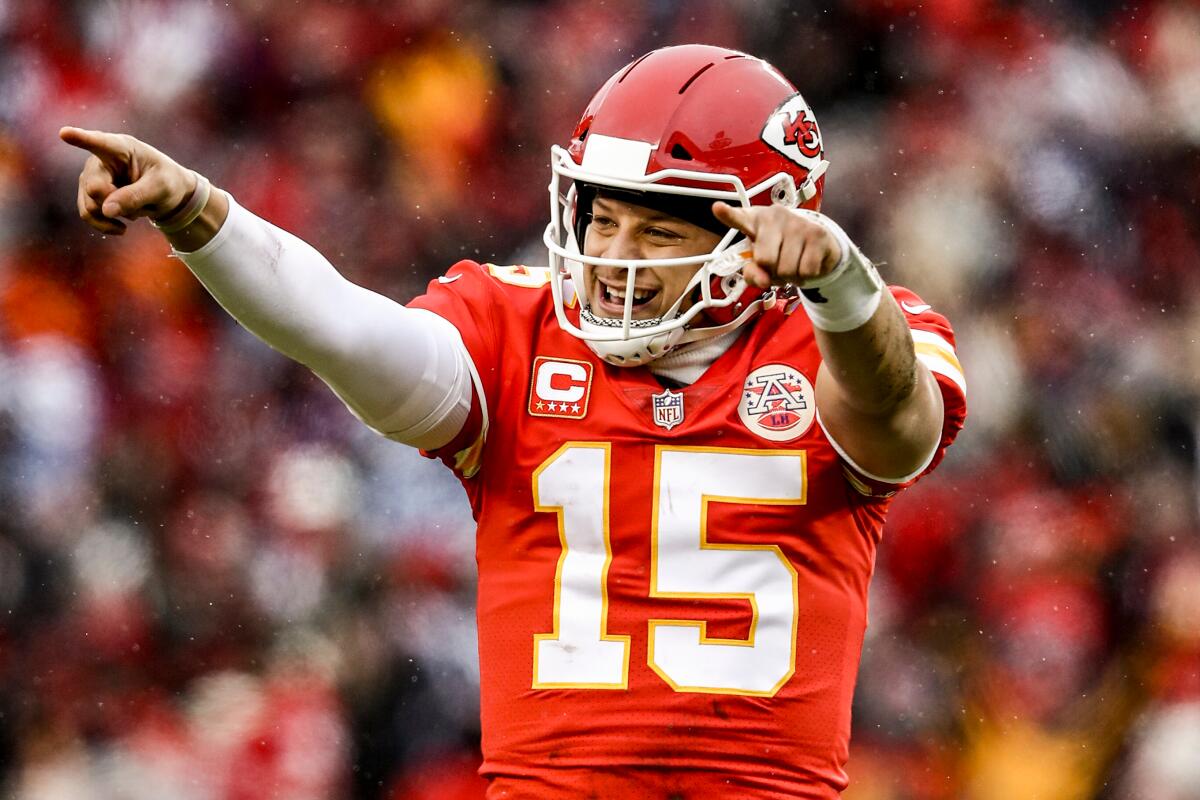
{"points": [[681, 127]]}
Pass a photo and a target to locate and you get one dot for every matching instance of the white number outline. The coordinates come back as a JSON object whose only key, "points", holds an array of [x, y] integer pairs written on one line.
{"points": [[705, 544], [556, 633], [654, 623]]}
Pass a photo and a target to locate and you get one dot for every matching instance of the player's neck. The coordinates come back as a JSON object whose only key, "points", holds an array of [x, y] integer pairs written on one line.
{"points": [[684, 366]]}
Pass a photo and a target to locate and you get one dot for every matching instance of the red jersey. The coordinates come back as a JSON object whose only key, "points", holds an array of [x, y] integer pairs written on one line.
{"points": [[672, 583]]}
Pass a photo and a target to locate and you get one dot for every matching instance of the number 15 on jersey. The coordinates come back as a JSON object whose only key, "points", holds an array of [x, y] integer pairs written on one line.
{"points": [[580, 652]]}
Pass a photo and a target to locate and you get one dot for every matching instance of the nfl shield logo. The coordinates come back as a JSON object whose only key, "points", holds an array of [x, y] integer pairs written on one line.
{"points": [[668, 409]]}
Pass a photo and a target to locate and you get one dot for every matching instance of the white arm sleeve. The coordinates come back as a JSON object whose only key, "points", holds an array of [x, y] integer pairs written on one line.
{"points": [[404, 372]]}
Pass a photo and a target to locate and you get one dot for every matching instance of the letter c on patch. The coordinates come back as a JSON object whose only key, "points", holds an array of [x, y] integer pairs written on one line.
{"points": [[561, 382]]}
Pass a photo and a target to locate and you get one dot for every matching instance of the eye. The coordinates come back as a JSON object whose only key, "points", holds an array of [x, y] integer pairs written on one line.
{"points": [[601, 221], [663, 233]]}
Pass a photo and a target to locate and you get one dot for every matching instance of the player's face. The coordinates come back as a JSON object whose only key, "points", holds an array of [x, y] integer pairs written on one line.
{"points": [[622, 230]]}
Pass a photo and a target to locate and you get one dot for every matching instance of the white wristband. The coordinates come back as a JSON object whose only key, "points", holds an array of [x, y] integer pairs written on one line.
{"points": [[187, 215], [847, 297]]}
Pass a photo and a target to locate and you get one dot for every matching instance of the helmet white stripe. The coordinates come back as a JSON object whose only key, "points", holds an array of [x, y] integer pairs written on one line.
{"points": [[618, 158]]}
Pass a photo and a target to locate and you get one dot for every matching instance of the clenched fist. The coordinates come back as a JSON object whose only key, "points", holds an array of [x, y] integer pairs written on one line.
{"points": [[125, 177]]}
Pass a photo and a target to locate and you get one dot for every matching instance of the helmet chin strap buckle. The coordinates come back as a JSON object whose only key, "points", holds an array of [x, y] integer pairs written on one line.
{"points": [[731, 260]]}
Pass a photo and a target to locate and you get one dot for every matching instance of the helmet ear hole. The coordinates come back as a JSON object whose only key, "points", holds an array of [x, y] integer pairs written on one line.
{"points": [[784, 193]]}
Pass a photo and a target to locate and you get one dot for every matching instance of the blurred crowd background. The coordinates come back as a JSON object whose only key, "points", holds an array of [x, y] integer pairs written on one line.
{"points": [[215, 585]]}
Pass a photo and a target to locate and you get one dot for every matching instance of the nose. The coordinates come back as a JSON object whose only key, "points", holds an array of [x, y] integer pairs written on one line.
{"points": [[622, 244]]}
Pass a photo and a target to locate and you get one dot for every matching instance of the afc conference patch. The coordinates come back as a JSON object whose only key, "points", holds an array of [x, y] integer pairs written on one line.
{"points": [[668, 409], [777, 403]]}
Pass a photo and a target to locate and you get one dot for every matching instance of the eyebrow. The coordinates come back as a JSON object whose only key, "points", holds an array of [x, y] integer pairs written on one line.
{"points": [[652, 215]]}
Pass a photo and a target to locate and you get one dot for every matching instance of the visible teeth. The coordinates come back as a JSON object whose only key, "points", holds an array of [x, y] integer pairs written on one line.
{"points": [[616, 296]]}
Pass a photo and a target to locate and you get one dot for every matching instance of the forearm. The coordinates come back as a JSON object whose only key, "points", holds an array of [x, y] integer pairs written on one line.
{"points": [[874, 366], [403, 371], [878, 403]]}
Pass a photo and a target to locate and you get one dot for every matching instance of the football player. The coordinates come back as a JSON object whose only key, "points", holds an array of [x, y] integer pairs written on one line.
{"points": [[680, 440]]}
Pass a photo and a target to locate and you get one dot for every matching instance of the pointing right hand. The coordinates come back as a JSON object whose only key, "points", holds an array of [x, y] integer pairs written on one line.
{"points": [[124, 177]]}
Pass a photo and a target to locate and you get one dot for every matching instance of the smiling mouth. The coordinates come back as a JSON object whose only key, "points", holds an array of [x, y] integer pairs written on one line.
{"points": [[612, 299]]}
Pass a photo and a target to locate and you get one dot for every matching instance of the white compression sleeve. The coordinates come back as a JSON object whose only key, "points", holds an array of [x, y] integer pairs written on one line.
{"points": [[404, 372]]}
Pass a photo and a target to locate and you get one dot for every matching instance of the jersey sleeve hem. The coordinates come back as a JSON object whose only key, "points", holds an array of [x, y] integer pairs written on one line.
{"points": [[469, 459], [444, 422], [466, 299], [937, 353], [867, 474]]}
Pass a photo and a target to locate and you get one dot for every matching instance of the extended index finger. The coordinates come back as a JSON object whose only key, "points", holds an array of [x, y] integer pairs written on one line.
{"points": [[735, 217], [108, 147]]}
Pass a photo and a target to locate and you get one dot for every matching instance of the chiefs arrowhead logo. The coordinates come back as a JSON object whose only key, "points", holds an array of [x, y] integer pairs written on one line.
{"points": [[802, 132], [792, 130]]}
